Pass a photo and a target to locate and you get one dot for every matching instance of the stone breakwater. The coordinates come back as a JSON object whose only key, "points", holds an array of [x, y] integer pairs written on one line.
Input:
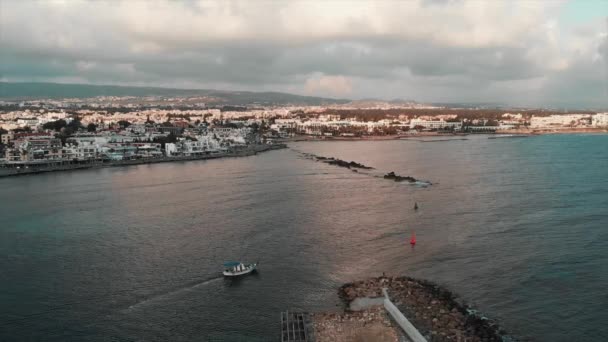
{"points": [[355, 167], [337, 162], [397, 178], [433, 310], [347, 165]]}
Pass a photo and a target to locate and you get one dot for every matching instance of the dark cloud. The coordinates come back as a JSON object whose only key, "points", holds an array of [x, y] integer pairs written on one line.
{"points": [[258, 48]]}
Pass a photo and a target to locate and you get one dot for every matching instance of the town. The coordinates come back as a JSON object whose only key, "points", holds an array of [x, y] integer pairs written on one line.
{"points": [[127, 129]]}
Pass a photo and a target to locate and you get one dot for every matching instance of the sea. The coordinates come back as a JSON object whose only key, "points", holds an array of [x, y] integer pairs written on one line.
{"points": [[516, 227]]}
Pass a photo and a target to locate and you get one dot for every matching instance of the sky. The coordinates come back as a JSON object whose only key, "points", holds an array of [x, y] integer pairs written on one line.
{"points": [[533, 53]]}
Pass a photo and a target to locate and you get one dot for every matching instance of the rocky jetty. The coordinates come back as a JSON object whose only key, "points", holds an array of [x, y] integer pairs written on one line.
{"points": [[348, 165], [397, 178], [434, 311], [355, 167], [337, 162]]}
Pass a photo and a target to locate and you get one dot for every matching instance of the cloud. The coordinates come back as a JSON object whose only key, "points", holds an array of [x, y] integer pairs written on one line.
{"points": [[334, 85], [430, 50]]}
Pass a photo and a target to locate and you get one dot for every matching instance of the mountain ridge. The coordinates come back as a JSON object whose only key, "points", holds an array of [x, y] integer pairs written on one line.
{"points": [[47, 90]]}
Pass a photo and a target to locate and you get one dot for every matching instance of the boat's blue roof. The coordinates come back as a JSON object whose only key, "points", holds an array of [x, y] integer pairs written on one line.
{"points": [[231, 263]]}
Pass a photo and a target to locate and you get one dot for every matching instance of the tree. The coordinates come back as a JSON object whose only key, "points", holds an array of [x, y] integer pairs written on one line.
{"points": [[171, 138], [91, 127], [66, 132], [75, 125], [2, 132], [25, 129], [55, 125], [124, 124], [255, 128]]}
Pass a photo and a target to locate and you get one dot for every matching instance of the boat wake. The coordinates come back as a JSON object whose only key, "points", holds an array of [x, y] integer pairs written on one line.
{"points": [[162, 295]]}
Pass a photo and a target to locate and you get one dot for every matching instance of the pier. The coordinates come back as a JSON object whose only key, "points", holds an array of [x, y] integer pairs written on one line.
{"points": [[296, 327]]}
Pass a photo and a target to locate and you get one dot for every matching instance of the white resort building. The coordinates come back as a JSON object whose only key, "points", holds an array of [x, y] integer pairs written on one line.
{"points": [[560, 121], [600, 120], [435, 124]]}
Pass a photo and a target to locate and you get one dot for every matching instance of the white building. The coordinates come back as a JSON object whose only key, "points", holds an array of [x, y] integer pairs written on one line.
{"points": [[600, 120], [29, 122], [435, 124], [204, 144], [81, 152], [35, 148], [560, 121], [229, 134], [508, 124], [7, 138]]}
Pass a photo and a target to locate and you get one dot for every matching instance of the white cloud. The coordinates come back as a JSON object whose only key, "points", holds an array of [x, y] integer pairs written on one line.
{"points": [[443, 48], [333, 85]]}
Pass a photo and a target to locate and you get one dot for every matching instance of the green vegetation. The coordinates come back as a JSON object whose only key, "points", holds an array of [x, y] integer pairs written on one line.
{"points": [[124, 124], [171, 138], [25, 129], [55, 125]]}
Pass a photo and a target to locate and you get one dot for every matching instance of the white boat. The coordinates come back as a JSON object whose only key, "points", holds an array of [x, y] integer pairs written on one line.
{"points": [[235, 269]]}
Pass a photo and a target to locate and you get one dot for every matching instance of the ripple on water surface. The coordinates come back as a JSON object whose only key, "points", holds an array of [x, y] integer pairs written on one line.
{"points": [[517, 227]]}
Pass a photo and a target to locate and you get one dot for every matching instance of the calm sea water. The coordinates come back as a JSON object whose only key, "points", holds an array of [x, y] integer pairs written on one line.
{"points": [[517, 227]]}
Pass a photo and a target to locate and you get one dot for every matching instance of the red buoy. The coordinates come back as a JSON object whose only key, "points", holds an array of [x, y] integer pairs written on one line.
{"points": [[413, 239]]}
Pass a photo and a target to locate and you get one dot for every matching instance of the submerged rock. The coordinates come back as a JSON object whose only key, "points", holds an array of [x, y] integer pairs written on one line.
{"points": [[397, 178]]}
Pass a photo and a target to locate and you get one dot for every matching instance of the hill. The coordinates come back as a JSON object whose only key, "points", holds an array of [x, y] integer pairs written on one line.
{"points": [[13, 91]]}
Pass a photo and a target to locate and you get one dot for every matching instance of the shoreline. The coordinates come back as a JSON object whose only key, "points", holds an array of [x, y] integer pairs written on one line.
{"points": [[32, 170], [450, 136]]}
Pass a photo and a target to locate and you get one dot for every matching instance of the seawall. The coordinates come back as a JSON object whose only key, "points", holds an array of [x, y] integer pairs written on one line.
{"points": [[54, 166]]}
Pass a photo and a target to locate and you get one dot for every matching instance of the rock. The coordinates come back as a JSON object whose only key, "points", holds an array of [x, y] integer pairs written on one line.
{"points": [[429, 307], [397, 178]]}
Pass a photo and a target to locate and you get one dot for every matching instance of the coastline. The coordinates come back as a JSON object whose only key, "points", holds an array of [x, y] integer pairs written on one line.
{"points": [[553, 131], [248, 151], [522, 132]]}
